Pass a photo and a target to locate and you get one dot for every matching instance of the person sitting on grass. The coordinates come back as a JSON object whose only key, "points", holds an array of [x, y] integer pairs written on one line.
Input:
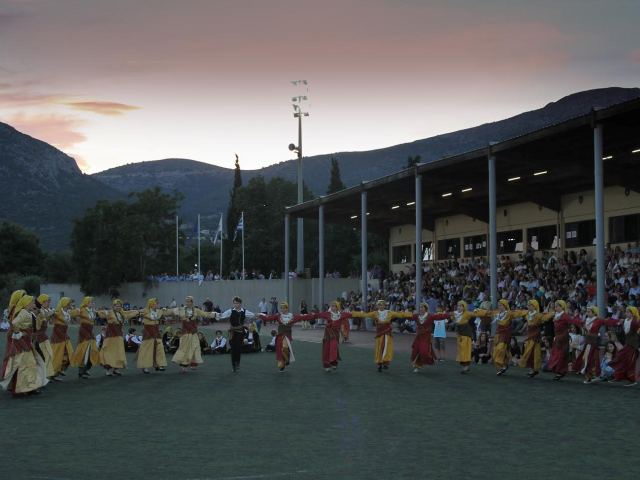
{"points": [[272, 344], [174, 343], [606, 371], [219, 344], [166, 338], [205, 349], [481, 349], [515, 351], [132, 341]]}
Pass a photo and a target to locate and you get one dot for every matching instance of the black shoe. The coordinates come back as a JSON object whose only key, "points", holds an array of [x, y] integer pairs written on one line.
{"points": [[145, 370], [56, 379], [116, 372], [160, 369], [558, 377], [282, 369], [386, 367], [83, 375], [62, 374], [532, 374], [379, 368]]}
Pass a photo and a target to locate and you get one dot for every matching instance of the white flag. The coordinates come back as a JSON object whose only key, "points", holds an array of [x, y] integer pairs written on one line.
{"points": [[218, 231]]}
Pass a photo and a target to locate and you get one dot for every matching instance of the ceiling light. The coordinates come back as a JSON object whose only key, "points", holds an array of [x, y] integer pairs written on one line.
{"points": [[395, 206], [543, 172], [513, 179], [609, 157], [447, 194], [410, 203], [466, 189]]}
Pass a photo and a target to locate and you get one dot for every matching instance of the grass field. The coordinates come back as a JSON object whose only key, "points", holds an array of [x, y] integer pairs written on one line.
{"points": [[355, 423]]}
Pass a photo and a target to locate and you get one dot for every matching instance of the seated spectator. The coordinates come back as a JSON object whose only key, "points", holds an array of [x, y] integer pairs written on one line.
{"points": [[545, 347], [100, 337], [481, 349], [606, 372], [132, 341], [166, 338], [219, 344], [407, 325], [576, 345], [4, 326], [174, 343], [515, 350], [272, 344], [205, 349], [251, 341]]}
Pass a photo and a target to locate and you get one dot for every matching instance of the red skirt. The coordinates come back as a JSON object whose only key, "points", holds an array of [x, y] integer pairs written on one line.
{"points": [[624, 364], [330, 352], [559, 361], [422, 350]]}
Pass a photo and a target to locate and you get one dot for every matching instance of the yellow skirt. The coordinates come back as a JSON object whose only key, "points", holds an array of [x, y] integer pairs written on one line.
{"points": [[188, 352], [531, 347], [62, 354], [384, 349], [47, 351], [145, 357], [112, 353], [501, 355], [464, 349], [85, 351], [29, 370]]}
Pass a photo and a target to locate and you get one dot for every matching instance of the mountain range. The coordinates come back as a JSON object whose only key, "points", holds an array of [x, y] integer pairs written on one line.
{"points": [[44, 189]]}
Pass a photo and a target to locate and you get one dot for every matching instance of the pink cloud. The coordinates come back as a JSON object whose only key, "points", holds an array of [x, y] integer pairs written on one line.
{"points": [[102, 108], [58, 130]]}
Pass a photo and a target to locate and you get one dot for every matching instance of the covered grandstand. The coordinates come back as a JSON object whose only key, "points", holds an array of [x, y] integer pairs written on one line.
{"points": [[587, 157]]}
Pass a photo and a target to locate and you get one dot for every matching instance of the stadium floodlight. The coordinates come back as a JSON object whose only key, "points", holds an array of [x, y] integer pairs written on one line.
{"points": [[410, 203], [395, 207], [542, 172], [513, 179], [608, 157], [448, 194], [468, 189], [637, 150], [353, 217]]}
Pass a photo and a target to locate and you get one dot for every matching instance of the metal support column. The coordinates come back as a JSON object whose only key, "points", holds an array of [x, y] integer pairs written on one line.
{"points": [[599, 191], [493, 231], [418, 199], [287, 236], [321, 257], [363, 248]]}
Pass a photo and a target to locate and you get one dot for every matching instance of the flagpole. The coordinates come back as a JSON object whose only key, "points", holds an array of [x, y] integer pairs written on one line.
{"points": [[198, 244], [243, 272], [221, 243], [177, 251]]}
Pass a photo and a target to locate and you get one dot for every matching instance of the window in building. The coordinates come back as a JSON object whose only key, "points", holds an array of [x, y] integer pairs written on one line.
{"points": [[510, 242], [542, 238], [427, 251], [475, 246], [580, 234], [448, 248], [625, 228], [401, 254]]}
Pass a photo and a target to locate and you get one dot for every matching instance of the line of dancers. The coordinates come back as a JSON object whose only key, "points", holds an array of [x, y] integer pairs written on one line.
{"points": [[33, 358]]}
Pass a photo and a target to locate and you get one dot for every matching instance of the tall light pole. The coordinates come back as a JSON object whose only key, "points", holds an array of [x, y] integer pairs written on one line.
{"points": [[299, 113]]}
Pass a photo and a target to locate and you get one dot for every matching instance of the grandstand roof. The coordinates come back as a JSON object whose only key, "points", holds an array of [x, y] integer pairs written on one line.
{"points": [[564, 151]]}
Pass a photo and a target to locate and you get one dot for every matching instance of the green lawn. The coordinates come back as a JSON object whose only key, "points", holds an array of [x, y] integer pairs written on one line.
{"points": [[307, 424]]}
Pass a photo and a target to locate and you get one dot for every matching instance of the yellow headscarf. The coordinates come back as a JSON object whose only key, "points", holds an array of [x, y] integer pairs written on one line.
{"points": [[634, 313], [381, 302], [426, 307], [337, 304], [152, 303], [13, 301], [42, 298], [284, 304], [464, 305], [63, 303], [562, 304], [117, 301], [535, 305], [594, 309], [23, 302], [505, 304], [86, 301]]}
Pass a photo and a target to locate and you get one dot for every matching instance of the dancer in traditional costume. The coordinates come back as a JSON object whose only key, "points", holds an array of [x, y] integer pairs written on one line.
{"points": [[43, 345], [112, 354], [532, 355], [382, 318], [333, 319], [559, 360], [151, 352], [588, 361], [624, 363], [422, 347], [503, 318], [286, 320], [24, 371], [189, 353], [237, 316], [60, 341], [86, 354], [11, 310], [464, 330]]}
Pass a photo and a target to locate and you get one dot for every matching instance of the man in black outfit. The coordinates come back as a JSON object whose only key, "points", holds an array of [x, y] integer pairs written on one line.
{"points": [[236, 315]]}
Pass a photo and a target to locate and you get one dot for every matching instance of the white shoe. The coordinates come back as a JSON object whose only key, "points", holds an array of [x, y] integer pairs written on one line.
{"points": [[416, 370], [632, 384], [327, 369]]}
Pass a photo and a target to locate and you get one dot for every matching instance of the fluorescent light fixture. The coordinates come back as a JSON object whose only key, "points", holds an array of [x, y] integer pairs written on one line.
{"points": [[466, 189], [637, 150], [395, 207], [542, 172], [353, 217], [513, 179], [608, 157], [447, 194], [410, 203]]}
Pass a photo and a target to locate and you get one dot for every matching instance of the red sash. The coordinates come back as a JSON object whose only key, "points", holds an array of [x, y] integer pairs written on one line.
{"points": [[150, 331], [86, 332], [59, 334]]}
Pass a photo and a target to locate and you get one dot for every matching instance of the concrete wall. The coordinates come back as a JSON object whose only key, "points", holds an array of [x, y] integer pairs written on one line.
{"points": [[221, 292], [575, 207]]}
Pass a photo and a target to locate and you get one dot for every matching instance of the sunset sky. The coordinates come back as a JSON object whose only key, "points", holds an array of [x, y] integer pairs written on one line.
{"points": [[120, 81]]}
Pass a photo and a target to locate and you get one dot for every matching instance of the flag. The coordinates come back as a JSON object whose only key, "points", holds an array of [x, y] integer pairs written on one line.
{"points": [[240, 226], [218, 232]]}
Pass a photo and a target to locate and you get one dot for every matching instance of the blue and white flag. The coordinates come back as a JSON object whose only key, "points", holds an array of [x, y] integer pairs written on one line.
{"points": [[218, 231], [240, 226]]}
